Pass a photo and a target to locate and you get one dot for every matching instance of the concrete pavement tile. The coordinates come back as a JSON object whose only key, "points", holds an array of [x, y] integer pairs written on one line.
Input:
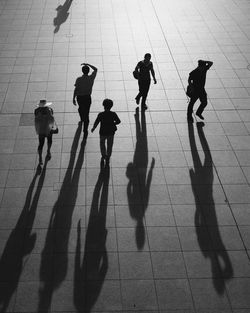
{"points": [[134, 265], [138, 295], [163, 239], [174, 294], [168, 265], [209, 294]]}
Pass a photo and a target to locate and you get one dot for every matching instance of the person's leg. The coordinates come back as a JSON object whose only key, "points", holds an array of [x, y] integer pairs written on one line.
{"points": [[203, 100], [102, 146], [110, 141], [86, 117], [190, 107], [49, 142], [145, 89], [41, 139], [138, 97], [80, 101]]}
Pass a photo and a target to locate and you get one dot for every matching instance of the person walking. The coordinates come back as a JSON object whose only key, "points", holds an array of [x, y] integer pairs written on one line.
{"points": [[142, 71], [197, 81], [44, 125], [108, 121], [82, 93]]}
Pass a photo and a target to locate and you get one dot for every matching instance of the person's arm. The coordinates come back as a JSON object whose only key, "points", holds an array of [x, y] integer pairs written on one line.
{"points": [[116, 119], [153, 73], [97, 121], [74, 97], [92, 67], [208, 64]]}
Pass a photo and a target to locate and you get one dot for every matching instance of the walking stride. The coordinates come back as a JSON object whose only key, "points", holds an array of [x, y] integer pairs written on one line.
{"points": [[197, 81], [108, 121], [82, 93], [142, 72]]}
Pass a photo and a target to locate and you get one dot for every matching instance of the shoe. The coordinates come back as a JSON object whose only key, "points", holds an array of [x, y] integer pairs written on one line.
{"points": [[199, 115], [137, 100]]}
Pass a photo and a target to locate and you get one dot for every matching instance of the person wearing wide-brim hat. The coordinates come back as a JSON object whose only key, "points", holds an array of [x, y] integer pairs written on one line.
{"points": [[44, 122]]}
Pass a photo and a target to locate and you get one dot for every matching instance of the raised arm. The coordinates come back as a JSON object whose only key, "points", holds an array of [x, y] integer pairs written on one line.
{"points": [[91, 66], [208, 64]]}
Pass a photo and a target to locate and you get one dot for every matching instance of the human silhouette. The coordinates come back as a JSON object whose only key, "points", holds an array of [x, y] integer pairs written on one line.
{"points": [[91, 272], [108, 121], [220, 262], [20, 242], [142, 72], [61, 219], [62, 14], [197, 79], [139, 179], [44, 123], [82, 93]]}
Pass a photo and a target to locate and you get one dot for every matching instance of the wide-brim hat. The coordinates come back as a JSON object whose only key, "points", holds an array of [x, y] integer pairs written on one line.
{"points": [[44, 103]]}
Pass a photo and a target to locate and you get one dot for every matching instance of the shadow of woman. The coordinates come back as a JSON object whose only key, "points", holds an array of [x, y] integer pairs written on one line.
{"points": [[202, 186], [89, 277], [20, 242], [62, 14], [57, 237], [139, 179]]}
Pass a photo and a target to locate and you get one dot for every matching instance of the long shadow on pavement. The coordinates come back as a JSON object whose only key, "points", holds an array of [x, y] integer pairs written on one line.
{"points": [[139, 180], [20, 242], [62, 14], [202, 185], [57, 238], [90, 275]]}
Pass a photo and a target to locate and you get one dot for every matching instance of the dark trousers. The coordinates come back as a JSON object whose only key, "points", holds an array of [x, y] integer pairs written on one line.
{"points": [[84, 103], [143, 90], [202, 96], [42, 140], [106, 151]]}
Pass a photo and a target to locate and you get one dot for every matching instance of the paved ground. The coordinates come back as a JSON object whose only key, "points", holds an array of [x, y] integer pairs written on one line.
{"points": [[165, 228]]}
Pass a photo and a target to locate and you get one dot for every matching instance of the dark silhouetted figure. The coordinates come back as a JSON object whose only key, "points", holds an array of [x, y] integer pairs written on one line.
{"points": [[44, 123], [20, 242], [206, 224], [139, 179], [90, 273], [108, 121], [57, 237], [82, 92], [62, 14], [197, 79], [143, 70]]}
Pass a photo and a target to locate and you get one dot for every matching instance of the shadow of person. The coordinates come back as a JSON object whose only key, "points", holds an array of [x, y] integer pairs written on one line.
{"points": [[57, 237], [62, 14], [20, 242], [139, 179], [202, 185], [89, 276]]}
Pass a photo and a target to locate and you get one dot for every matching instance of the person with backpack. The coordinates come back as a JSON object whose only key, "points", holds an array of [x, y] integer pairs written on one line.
{"points": [[108, 121], [196, 85], [44, 125], [82, 93], [142, 72]]}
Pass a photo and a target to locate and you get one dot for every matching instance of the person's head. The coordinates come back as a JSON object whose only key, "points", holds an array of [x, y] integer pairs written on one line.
{"points": [[147, 57], [85, 69], [107, 103]]}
